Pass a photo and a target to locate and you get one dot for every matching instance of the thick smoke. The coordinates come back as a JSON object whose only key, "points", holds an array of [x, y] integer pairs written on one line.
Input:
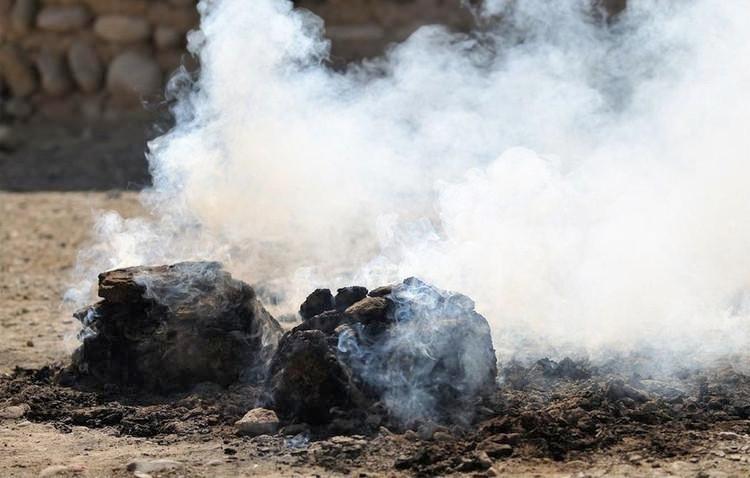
{"points": [[584, 179]]}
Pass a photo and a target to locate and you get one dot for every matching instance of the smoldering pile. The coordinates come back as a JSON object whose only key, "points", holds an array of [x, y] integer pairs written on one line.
{"points": [[406, 353], [167, 328]]}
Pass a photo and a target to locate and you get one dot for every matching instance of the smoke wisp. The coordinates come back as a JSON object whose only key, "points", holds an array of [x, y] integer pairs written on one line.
{"points": [[584, 181]]}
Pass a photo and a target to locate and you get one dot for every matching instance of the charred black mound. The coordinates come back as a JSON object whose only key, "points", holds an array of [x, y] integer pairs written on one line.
{"points": [[168, 328], [422, 352], [410, 351]]}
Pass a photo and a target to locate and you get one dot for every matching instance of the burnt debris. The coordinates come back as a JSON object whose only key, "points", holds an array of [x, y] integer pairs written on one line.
{"points": [[168, 328], [422, 352], [415, 351]]}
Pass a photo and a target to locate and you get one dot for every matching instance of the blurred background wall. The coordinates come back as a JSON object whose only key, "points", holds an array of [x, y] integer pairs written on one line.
{"points": [[100, 58], [82, 81]]}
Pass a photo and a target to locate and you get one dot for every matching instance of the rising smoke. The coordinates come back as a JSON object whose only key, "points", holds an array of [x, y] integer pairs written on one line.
{"points": [[585, 180]]}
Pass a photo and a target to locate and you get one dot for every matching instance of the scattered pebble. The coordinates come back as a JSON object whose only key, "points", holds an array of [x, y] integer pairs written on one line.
{"points": [[442, 436], [59, 470], [411, 435], [258, 421], [14, 412], [496, 450], [145, 466]]}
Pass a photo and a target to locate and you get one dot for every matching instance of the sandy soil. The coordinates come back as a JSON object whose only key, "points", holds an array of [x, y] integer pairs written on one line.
{"points": [[40, 234]]}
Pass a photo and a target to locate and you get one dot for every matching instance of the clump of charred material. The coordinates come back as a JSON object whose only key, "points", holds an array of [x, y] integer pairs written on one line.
{"points": [[167, 328], [422, 352]]}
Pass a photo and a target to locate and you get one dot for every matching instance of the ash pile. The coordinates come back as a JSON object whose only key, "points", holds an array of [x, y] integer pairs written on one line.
{"points": [[401, 355]]}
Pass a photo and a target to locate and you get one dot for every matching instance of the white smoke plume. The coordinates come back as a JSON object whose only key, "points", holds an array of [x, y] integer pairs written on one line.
{"points": [[586, 181]]}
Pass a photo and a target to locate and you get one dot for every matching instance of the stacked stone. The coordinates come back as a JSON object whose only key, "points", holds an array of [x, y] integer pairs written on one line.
{"points": [[62, 57], [88, 54]]}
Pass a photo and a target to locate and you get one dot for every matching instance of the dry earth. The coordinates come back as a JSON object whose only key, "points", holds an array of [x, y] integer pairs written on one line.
{"points": [[40, 234]]}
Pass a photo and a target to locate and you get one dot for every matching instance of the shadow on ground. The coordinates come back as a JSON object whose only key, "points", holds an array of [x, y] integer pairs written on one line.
{"points": [[70, 156]]}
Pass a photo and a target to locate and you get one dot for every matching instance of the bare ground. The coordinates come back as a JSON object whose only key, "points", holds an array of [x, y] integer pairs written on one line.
{"points": [[40, 234]]}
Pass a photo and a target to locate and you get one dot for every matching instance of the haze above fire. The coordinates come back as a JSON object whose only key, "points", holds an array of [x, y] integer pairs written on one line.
{"points": [[585, 182]]}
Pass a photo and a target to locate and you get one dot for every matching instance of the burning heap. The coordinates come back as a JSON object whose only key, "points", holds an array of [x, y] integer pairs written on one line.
{"points": [[416, 352], [422, 352], [167, 328]]}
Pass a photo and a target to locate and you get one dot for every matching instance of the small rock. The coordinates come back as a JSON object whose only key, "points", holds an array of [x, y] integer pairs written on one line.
{"points": [[354, 441], [442, 436], [62, 470], [29, 343], [508, 438], [85, 66], [258, 421], [63, 18], [14, 412], [496, 450], [384, 431], [369, 308], [319, 301], [153, 466], [381, 291], [474, 462], [122, 28], [426, 430], [728, 436], [618, 390], [635, 458], [132, 75], [346, 296], [411, 435], [484, 460], [53, 73]]}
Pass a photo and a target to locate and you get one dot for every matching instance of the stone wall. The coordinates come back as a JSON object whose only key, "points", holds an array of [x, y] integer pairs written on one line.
{"points": [[93, 58]]}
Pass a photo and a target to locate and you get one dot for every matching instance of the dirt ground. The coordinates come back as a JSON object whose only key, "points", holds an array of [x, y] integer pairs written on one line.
{"points": [[50, 191], [40, 234]]}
